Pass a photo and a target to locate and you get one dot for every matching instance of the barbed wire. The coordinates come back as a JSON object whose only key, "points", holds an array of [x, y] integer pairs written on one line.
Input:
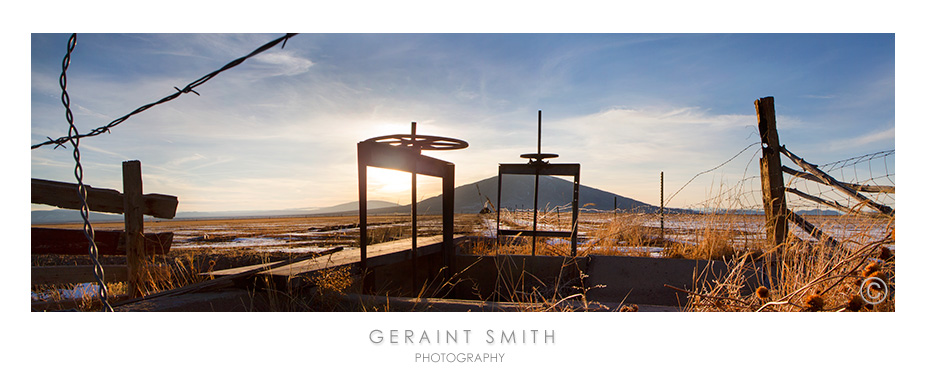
{"points": [[864, 170], [710, 170], [187, 89], [79, 175], [855, 160]]}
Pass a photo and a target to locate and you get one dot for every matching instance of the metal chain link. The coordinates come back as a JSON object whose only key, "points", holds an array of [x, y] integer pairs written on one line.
{"points": [[79, 175]]}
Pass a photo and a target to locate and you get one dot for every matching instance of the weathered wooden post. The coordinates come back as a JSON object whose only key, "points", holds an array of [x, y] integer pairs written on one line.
{"points": [[132, 211], [771, 174]]}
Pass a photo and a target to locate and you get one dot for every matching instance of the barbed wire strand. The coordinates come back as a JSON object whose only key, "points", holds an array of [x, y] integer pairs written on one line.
{"points": [[856, 160], [187, 89], [79, 175], [710, 170]]}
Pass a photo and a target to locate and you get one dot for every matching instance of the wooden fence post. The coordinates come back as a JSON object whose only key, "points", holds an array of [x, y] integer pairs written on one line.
{"points": [[132, 210], [771, 179]]}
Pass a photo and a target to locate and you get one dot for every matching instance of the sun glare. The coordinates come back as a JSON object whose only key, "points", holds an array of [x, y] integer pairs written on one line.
{"points": [[388, 184]]}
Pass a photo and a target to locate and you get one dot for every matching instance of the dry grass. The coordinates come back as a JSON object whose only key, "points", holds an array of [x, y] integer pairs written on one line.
{"points": [[810, 276], [714, 236]]}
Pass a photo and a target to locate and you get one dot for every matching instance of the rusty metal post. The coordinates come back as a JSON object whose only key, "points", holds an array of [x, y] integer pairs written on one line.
{"points": [[499, 205], [447, 222], [414, 210], [662, 207], [575, 215], [363, 161], [535, 203]]}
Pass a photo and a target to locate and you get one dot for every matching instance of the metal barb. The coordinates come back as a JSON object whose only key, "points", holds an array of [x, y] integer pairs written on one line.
{"points": [[187, 89]]}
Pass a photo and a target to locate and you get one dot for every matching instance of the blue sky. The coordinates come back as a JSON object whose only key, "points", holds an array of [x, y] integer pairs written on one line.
{"points": [[279, 131]]}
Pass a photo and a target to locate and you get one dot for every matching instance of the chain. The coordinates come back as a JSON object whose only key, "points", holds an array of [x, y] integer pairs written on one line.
{"points": [[189, 88], [79, 174]]}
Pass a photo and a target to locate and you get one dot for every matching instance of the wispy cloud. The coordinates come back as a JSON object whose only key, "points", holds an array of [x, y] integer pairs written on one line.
{"points": [[284, 63], [623, 148], [863, 140]]}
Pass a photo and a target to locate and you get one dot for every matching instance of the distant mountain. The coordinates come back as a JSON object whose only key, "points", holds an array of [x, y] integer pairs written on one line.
{"points": [[819, 212], [469, 198], [519, 194], [352, 207], [55, 216]]}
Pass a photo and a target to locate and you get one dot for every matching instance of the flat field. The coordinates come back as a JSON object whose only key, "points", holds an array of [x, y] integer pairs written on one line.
{"points": [[808, 268]]}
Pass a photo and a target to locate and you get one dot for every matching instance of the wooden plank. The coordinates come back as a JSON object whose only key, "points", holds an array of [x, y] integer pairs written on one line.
{"points": [[828, 180], [65, 195], [45, 275], [378, 255], [49, 241], [819, 200], [841, 186], [869, 188], [817, 233]]}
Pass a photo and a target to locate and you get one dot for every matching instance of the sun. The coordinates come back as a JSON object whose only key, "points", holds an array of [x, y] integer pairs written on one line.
{"points": [[388, 184]]}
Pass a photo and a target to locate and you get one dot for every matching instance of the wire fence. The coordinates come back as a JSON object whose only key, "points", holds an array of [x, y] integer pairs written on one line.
{"points": [[189, 88], [875, 170], [873, 175], [73, 137]]}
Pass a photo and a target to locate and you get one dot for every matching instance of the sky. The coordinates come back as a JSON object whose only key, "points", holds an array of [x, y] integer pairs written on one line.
{"points": [[280, 130]]}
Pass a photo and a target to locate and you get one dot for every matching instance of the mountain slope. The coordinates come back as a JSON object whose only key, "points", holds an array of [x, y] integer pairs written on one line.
{"points": [[66, 215], [518, 193], [469, 198]]}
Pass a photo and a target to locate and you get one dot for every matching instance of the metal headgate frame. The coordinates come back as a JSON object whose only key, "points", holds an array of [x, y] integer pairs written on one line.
{"points": [[403, 152], [537, 167]]}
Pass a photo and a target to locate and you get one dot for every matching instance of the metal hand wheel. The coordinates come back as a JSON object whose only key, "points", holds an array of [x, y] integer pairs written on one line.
{"points": [[420, 142]]}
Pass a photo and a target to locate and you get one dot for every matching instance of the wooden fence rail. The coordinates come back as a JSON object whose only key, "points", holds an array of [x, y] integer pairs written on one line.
{"points": [[869, 188], [828, 180], [47, 241], [65, 195], [132, 242]]}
